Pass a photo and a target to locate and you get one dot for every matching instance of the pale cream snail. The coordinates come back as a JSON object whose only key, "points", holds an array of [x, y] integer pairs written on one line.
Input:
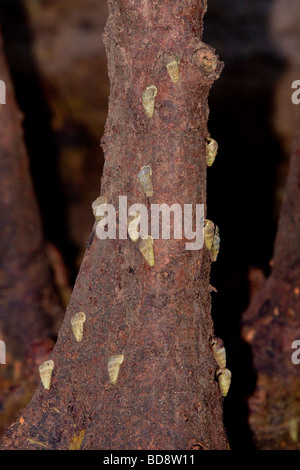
{"points": [[114, 364], [211, 151], [144, 177], [219, 352], [173, 68], [77, 322], [148, 99], [45, 371], [146, 248], [224, 378]]}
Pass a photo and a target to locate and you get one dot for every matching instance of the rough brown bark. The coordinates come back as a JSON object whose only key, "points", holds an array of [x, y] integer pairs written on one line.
{"points": [[271, 324], [167, 395], [29, 307]]}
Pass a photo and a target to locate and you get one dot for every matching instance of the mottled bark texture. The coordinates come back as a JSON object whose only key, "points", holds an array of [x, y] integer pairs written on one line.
{"points": [[271, 324], [167, 395], [28, 303]]}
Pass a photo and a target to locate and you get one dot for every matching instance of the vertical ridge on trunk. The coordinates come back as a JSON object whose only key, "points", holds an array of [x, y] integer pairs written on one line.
{"points": [[157, 318]]}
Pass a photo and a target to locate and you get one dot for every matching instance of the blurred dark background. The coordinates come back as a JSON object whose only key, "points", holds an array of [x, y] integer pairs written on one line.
{"points": [[58, 65]]}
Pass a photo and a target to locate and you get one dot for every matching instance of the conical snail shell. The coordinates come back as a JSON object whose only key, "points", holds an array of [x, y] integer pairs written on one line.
{"points": [[224, 379], [76, 441], [215, 248], [77, 322], [206, 60], [133, 223], [45, 370], [148, 99], [219, 352], [209, 230], [173, 67], [211, 151], [146, 248], [144, 176], [293, 427], [114, 363], [100, 201]]}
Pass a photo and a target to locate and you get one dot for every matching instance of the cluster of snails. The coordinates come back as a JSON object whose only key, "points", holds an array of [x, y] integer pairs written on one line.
{"points": [[146, 244], [211, 237], [211, 232], [212, 242], [77, 324], [149, 94], [223, 374]]}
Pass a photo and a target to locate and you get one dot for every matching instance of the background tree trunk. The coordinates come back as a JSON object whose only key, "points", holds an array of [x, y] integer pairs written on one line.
{"points": [[167, 395], [271, 324], [29, 307]]}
